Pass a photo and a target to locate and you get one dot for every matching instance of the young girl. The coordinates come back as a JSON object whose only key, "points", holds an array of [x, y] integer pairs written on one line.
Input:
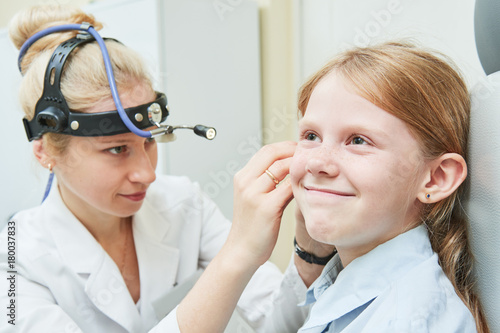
{"points": [[378, 172]]}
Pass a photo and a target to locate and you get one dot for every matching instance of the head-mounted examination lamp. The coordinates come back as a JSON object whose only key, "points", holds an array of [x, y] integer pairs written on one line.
{"points": [[52, 113]]}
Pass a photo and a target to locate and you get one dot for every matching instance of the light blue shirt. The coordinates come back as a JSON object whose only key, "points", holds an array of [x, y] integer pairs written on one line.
{"points": [[397, 287]]}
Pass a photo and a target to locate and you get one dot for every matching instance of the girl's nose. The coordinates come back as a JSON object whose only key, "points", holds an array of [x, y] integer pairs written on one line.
{"points": [[323, 162]]}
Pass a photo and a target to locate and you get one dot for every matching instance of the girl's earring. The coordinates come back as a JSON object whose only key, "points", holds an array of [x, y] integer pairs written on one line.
{"points": [[50, 167], [427, 195]]}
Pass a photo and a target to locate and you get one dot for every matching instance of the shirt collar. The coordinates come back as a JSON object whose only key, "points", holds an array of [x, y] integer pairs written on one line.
{"points": [[339, 291], [325, 280]]}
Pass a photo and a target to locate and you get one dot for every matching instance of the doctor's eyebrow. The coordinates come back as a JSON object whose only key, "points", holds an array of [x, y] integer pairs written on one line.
{"points": [[113, 141]]}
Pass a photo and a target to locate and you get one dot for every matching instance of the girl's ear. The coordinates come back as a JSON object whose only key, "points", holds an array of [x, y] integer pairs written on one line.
{"points": [[446, 173], [42, 155]]}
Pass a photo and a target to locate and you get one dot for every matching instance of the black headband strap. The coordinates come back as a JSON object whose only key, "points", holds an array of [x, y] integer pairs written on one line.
{"points": [[52, 113], [52, 95], [95, 124]]}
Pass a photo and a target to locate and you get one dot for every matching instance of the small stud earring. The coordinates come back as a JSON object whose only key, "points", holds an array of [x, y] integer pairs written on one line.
{"points": [[427, 195], [50, 167]]}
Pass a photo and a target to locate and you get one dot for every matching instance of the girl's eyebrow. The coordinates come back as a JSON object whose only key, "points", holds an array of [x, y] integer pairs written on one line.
{"points": [[306, 122], [354, 128], [372, 131]]}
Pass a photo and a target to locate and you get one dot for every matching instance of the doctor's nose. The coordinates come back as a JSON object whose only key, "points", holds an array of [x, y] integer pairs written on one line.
{"points": [[143, 168]]}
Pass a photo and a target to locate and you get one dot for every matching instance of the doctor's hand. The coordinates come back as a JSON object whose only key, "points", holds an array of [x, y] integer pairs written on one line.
{"points": [[258, 206], [261, 193]]}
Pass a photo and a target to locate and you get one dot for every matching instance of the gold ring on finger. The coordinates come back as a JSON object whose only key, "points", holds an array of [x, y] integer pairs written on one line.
{"points": [[270, 174]]}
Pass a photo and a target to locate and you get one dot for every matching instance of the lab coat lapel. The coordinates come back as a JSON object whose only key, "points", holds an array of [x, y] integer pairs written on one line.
{"points": [[78, 248], [158, 261], [83, 255], [108, 291]]}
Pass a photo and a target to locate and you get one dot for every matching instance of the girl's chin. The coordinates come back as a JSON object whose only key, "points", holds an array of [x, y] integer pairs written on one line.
{"points": [[319, 233]]}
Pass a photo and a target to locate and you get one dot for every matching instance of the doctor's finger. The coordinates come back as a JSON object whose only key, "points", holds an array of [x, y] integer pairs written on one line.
{"points": [[283, 194], [266, 156], [274, 174]]}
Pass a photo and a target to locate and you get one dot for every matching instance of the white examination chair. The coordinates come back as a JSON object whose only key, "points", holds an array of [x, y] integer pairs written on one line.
{"points": [[483, 205]]}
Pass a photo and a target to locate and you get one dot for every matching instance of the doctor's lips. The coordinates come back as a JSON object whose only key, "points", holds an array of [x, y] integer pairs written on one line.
{"points": [[327, 191], [138, 196]]}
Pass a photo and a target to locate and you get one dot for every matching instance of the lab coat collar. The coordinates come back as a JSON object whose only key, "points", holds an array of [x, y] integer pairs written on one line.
{"points": [[81, 252], [368, 276], [79, 248], [105, 286], [76, 245]]}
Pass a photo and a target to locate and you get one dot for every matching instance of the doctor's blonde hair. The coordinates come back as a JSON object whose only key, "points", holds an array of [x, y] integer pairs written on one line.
{"points": [[423, 89], [83, 81]]}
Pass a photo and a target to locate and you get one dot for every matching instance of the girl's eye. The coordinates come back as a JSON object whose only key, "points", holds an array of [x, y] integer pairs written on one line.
{"points": [[117, 150], [311, 137], [358, 140]]}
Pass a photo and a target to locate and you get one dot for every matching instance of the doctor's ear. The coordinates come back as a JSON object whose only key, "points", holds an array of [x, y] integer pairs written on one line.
{"points": [[42, 154], [445, 175]]}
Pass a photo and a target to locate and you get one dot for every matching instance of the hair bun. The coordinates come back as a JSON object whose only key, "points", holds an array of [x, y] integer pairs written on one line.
{"points": [[28, 22]]}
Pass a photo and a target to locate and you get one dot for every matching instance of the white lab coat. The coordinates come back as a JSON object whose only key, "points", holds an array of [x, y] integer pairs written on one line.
{"points": [[66, 282]]}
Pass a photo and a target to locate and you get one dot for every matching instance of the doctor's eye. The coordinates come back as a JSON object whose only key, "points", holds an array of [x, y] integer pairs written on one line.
{"points": [[117, 150]]}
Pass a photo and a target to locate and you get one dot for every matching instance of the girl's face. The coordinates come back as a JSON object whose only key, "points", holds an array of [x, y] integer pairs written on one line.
{"points": [[101, 177], [356, 171]]}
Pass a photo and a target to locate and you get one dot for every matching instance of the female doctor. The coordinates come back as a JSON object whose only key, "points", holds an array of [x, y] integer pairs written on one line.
{"points": [[114, 246]]}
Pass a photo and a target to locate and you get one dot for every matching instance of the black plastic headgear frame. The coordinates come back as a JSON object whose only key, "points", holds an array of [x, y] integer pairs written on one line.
{"points": [[52, 113]]}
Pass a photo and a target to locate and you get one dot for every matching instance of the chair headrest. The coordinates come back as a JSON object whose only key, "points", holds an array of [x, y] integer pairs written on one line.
{"points": [[487, 34]]}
